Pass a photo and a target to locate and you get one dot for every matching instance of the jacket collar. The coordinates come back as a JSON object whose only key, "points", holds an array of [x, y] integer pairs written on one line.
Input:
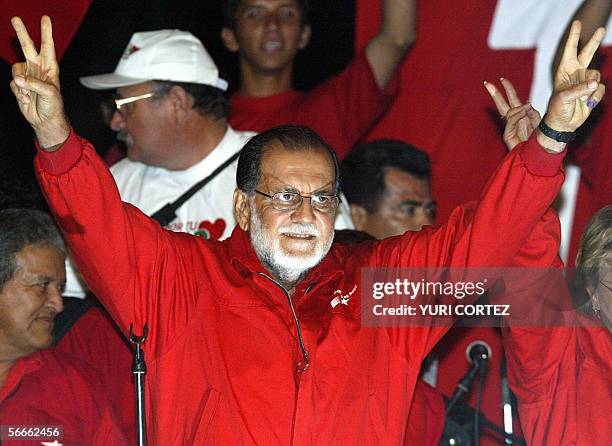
{"points": [[241, 253]]}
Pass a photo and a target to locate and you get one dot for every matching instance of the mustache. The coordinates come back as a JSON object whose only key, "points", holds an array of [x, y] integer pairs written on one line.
{"points": [[125, 138], [300, 229]]}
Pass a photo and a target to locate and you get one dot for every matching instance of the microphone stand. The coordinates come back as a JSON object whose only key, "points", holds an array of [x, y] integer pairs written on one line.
{"points": [[483, 373], [464, 412], [139, 369], [463, 386], [478, 355]]}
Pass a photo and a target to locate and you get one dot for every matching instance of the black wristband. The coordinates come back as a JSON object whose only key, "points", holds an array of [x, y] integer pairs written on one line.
{"points": [[554, 134]]}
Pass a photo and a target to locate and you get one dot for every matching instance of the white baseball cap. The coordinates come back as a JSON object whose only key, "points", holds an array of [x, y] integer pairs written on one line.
{"points": [[165, 55]]}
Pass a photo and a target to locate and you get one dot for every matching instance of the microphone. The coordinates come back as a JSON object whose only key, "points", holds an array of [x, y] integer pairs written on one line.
{"points": [[477, 354], [478, 351]]}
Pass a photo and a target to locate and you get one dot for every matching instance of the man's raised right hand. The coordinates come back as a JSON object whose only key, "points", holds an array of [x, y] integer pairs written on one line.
{"points": [[36, 86]]}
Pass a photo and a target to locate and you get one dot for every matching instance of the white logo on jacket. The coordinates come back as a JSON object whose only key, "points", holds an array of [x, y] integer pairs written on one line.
{"points": [[339, 298]]}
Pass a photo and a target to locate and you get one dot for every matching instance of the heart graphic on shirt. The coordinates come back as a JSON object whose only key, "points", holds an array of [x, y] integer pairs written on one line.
{"points": [[208, 230]]}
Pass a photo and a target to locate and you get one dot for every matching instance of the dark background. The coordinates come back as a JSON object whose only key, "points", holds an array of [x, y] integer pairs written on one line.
{"points": [[104, 33]]}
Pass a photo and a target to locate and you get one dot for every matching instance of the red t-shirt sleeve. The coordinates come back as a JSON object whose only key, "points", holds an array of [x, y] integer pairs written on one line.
{"points": [[342, 109], [351, 101]]}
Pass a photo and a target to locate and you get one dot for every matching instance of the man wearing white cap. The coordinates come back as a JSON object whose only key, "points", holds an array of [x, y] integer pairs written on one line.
{"points": [[171, 111]]}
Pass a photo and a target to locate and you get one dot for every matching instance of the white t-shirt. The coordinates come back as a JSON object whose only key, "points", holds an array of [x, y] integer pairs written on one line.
{"points": [[208, 213]]}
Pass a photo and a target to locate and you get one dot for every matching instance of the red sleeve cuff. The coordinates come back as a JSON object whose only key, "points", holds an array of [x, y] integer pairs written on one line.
{"points": [[538, 161], [63, 159]]}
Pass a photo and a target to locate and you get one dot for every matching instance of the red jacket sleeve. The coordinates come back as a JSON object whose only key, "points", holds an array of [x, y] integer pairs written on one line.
{"points": [[487, 236], [120, 251]]}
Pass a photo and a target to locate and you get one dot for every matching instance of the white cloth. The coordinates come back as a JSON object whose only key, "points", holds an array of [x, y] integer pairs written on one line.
{"points": [[208, 213]]}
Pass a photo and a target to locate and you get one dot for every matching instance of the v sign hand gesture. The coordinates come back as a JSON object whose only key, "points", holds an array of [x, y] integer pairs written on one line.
{"points": [[577, 89], [521, 119], [37, 88]]}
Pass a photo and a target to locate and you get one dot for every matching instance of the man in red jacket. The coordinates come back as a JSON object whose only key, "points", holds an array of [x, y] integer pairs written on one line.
{"points": [[54, 394], [259, 339]]}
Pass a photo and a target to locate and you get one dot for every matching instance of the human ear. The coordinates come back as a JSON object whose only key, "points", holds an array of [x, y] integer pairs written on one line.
{"points": [[180, 101], [242, 210], [359, 216], [228, 36], [593, 298], [304, 37]]}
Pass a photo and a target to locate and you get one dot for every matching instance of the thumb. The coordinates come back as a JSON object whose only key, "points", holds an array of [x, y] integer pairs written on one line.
{"points": [[581, 91], [30, 83], [534, 117]]}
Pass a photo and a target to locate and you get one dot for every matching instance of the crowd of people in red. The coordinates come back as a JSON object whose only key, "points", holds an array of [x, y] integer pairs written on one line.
{"points": [[239, 229]]}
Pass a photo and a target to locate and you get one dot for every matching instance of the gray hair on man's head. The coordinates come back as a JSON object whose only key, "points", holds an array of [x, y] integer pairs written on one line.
{"points": [[20, 228]]}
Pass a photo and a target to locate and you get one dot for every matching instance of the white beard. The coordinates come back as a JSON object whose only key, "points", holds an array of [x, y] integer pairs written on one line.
{"points": [[288, 268]]}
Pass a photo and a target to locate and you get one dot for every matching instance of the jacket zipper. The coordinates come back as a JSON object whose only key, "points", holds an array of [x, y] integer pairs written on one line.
{"points": [[304, 363]]}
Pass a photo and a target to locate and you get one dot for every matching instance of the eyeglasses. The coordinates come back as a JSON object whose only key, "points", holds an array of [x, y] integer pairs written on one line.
{"points": [[123, 105], [290, 201]]}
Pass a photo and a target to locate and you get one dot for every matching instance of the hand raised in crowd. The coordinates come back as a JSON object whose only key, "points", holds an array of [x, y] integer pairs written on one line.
{"points": [[577, 90], [36, 86], [521, 119]]}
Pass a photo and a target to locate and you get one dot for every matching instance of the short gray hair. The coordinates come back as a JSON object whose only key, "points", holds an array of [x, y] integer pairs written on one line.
{"points": [[292, 138], [20, 228]]}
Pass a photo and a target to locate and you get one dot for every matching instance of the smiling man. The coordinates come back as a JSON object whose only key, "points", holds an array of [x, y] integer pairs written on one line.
{"points": [[268, 321], [32, 280], [38, 386], [289, 236]]}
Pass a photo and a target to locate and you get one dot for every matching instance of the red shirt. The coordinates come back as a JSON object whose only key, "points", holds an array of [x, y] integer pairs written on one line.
{"points": [[443, 107], [444, 110], [222, 349], [559, 363], [52, 388], [562, 378], [341, 109], [95, 340]]}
